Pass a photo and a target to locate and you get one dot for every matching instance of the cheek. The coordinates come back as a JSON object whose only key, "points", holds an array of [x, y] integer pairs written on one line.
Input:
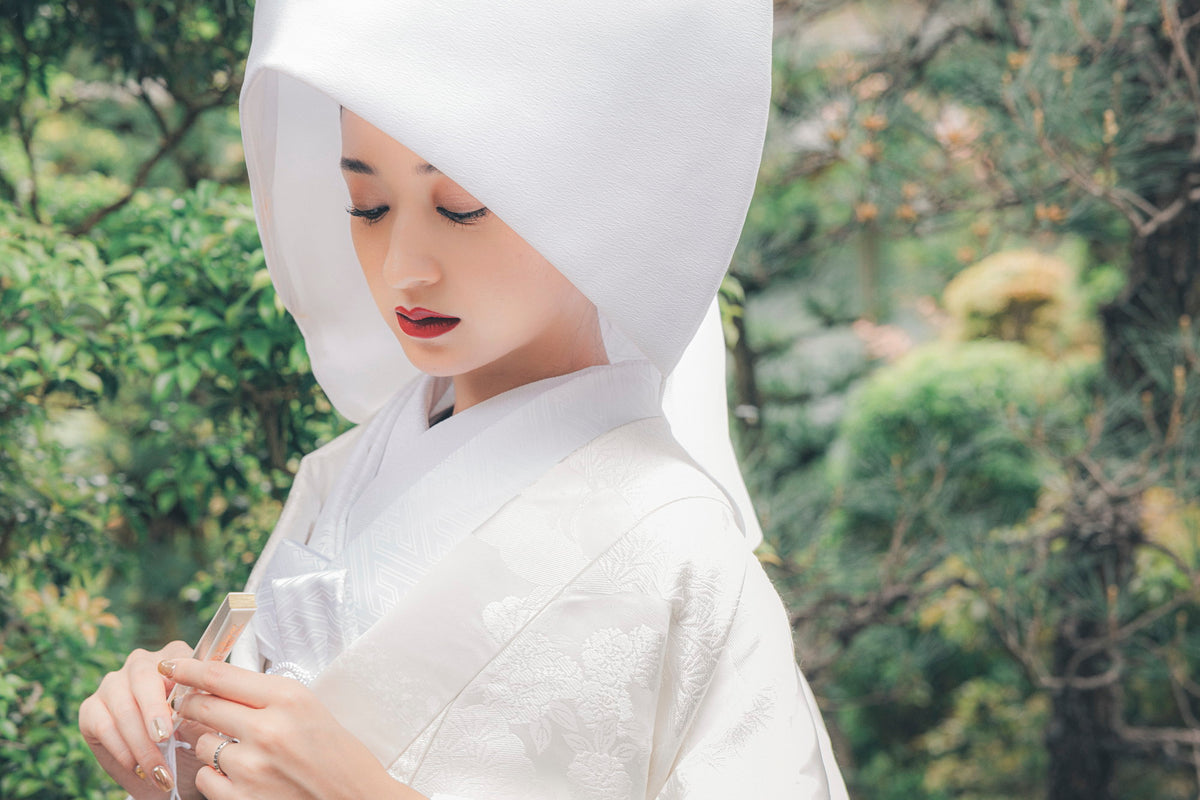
{"points": [[495, 271], [362, 250], [535, 291], [370, 255], [532, 276], [557, 295]]}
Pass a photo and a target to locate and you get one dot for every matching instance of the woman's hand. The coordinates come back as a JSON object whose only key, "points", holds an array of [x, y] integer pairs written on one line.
{"points": [[128, 716], [288, 744]]}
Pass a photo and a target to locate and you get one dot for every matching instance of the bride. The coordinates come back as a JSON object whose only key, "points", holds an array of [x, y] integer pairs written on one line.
{"points": [[528, 573]]}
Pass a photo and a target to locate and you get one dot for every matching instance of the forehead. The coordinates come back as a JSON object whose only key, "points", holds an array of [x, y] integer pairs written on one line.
{"points": [[360, 139]]}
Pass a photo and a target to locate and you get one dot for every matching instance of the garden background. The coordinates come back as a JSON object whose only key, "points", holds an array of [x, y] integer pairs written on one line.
{"points": [[963, 377]]}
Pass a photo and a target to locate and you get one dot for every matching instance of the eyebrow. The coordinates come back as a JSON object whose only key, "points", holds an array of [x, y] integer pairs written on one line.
{"points": [[363, 168]]}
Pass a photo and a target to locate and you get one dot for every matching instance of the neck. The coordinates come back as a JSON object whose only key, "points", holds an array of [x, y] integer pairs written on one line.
{"points": [[534, 362]]}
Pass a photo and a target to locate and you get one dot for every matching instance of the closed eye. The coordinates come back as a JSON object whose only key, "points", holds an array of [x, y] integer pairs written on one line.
{"points": [[465, 218], [371, 215]]}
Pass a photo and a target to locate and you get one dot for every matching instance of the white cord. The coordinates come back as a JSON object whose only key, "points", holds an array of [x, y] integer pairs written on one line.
{"points": [[169, 748]]}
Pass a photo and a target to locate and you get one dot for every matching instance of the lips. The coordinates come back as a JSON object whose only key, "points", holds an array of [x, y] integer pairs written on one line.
{"points": [[422, 323]]}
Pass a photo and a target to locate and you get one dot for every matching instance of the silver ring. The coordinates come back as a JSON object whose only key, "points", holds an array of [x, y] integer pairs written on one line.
{"points": [[216, 763]]}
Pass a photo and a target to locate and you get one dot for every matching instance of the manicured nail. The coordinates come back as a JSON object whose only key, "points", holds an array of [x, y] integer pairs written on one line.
{"points": [[137, 770], [167, 668], [158, 730], [163, 778]]}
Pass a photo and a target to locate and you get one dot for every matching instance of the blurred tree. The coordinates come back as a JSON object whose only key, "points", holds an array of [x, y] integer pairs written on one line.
{"points": [[179, 60], [34, 39], [946, 130]]}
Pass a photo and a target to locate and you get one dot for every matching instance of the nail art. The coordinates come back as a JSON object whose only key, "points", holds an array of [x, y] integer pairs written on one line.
{"points": [[163, 778], [137, 770], [167, 668], [158, 730]]}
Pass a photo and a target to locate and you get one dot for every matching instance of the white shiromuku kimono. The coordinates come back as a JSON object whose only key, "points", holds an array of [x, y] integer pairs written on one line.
{"points": [[551, 594], [605, 633]]}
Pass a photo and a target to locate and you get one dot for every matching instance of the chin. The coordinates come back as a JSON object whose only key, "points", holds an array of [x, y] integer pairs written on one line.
{"points": [[431, 362]]}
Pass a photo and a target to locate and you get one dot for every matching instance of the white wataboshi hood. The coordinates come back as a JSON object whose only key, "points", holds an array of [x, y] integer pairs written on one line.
{"points": [[620, 139]]}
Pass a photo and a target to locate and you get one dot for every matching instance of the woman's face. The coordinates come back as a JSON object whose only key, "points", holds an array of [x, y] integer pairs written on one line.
{"points": [[461, 291]]}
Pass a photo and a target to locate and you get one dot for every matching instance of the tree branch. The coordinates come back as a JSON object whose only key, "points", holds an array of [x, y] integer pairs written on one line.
{"points": [[170, 143]]}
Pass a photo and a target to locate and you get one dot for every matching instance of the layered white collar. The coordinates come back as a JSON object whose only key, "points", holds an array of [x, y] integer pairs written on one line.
{"points": [[411, 492]]}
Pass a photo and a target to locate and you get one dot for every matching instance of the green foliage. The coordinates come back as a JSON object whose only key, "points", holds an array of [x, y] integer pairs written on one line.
{"points": [[1029, 520], [989, 746], [221, 402], [195, 47], [56, 647], [944, 430], [56, 637], [57, 305], [139, 92], [34, 40], [943, 523], [1021, 296], [154, 402]]}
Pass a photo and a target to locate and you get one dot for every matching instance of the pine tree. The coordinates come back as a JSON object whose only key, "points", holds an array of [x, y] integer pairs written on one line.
{"points": [[985, 120]]}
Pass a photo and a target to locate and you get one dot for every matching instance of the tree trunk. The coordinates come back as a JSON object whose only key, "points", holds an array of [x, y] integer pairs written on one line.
{"points": [[1080, 732], [1163, 287], [1100, 530]]}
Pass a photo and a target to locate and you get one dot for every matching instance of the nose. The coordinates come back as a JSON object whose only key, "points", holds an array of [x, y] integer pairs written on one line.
{"points": [[411, 260]]}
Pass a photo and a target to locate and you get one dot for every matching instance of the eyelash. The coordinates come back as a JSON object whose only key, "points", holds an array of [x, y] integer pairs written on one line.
{"points": [[373, 215]]}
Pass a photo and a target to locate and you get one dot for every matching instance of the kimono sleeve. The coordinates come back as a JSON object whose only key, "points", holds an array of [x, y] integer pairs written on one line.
{"points": [[757, 732]]}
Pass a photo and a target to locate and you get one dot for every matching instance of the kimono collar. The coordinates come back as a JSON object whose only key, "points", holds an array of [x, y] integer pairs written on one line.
{"points": [[388, 520]]}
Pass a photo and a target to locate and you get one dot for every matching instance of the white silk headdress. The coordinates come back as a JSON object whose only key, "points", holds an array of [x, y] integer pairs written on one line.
{"points": [[620, 139]]}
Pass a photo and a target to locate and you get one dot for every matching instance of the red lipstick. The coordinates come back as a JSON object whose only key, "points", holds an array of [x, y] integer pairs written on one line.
{"points": [[421, 323]]}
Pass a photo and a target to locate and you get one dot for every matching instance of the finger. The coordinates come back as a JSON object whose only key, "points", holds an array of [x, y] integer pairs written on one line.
{"points": [[206, 749], [118, 697], [105, 742], [190, 732], [206, 745], [214, 785], [242, 686], [171, 652], [150, 695], [129, 781], [217, 713]]}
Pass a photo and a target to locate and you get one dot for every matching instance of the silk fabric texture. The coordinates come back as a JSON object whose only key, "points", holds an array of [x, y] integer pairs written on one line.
{"points": [[604, 635], [399, 505]]}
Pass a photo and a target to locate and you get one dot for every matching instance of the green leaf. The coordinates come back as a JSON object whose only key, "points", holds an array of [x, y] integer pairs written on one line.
{"points": [[30, 379], [12, 338], [127, 284], [27, 787], [259, 345], [156, 293], [25, 354], [261, 280], [187, 375], [205, 320], [87, 380], [165, 500], [221, 348], [169, 329], [147, 356], [162, 385]]}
